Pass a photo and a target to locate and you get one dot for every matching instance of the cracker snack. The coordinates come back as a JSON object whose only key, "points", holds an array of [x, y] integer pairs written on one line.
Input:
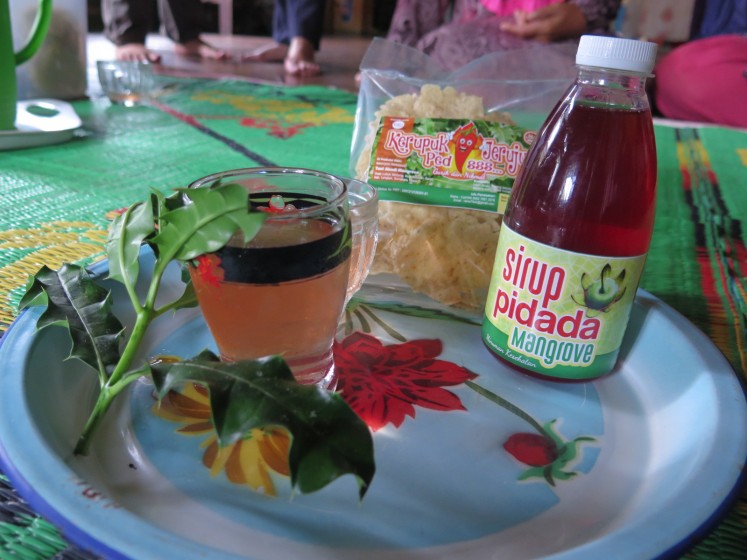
{"points": [[445, 253], [444, 151]]}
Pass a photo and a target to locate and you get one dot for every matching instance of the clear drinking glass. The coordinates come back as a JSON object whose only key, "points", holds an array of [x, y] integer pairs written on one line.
{"points": [[284, 291]]}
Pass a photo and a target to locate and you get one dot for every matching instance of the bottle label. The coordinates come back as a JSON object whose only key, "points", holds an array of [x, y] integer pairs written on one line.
{"points": [[448, 162], [557, 313]]}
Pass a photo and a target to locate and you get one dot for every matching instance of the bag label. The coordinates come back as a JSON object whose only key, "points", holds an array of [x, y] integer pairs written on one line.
{"points": [[448, 162], [558, 313]]}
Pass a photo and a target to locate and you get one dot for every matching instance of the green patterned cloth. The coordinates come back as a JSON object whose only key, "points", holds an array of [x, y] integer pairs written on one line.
{"points": [[56, 204]]}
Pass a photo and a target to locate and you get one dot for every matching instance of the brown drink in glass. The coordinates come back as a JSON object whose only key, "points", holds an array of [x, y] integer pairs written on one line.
{"points": [[283, 291]]}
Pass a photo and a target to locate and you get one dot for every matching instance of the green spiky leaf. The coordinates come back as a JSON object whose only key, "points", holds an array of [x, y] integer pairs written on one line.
{"points": [[208, 223], [188, 297], [126, 236], [74, 300]]}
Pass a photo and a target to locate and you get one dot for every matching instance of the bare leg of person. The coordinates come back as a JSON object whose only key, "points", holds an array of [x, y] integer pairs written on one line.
{"points": [[135, 52], [198, 47], [300, 59]]}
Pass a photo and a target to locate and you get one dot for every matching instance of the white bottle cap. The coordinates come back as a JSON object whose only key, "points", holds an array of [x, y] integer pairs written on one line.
{"points": [[616, 53]]}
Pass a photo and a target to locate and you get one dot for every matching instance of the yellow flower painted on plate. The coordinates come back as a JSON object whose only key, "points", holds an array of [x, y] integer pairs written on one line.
{"points": [[250, 461]]}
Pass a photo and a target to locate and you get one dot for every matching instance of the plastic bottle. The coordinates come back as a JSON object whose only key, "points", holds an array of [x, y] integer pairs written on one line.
{"points": [[579, 221]]}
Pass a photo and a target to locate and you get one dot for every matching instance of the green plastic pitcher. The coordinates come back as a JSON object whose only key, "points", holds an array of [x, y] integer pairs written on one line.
{"points": [[10, 59]]}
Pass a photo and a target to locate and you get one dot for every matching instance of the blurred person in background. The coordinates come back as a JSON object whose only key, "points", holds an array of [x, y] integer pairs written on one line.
{"points": [[127, 23], [297, 27], [456, 32]]}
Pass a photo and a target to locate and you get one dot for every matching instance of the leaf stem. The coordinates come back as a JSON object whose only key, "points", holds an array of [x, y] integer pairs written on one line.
{"points": [[174, 305], [143, 320], [144, 317], [97, 414], [158, 270], [500, 401], [115, 384], [103, 402]]}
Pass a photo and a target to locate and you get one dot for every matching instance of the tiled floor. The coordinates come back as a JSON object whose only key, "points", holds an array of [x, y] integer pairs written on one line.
{"points": [[339, 57]]}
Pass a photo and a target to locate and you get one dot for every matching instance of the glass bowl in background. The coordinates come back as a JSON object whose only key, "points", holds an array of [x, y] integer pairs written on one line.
{"points": [[125, 82]]}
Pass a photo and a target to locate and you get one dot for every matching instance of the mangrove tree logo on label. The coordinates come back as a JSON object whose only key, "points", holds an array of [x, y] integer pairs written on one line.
{"points": [[528, 296]]}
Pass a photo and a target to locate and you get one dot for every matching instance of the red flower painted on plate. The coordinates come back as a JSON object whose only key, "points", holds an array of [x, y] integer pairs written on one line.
{"points": [[534, 450], [209, 269], [383, 383]]}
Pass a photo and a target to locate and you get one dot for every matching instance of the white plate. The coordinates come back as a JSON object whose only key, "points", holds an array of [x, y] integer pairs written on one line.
{"points": [[40, 122], [669, 431]]}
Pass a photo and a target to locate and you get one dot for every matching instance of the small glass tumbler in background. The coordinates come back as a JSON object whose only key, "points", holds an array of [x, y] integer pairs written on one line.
{"points": [[364, 221], [126, 83], [284, 291]]}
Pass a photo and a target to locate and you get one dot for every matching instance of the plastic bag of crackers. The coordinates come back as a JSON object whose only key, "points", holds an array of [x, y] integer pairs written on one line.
{"points": [[444, 149]]}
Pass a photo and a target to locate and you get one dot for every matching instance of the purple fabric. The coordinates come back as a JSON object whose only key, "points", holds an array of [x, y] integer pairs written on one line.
{"points": [[472, 30]]}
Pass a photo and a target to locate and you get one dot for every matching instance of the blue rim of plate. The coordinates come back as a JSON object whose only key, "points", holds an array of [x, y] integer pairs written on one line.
{"points": [[86, 540]]}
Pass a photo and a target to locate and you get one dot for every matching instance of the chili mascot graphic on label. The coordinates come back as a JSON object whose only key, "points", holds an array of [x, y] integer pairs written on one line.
{"points": [[465, 141]]}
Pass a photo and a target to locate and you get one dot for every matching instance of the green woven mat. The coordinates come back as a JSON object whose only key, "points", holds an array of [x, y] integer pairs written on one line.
{"points": [[698, 263], [56, 203]]}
